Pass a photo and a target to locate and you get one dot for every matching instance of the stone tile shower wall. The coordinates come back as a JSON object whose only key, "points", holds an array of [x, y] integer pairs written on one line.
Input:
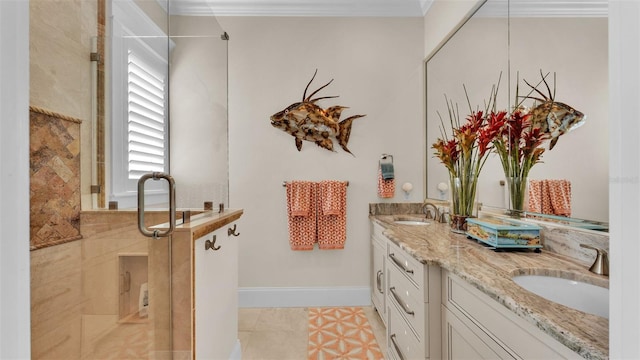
{"points": [[55, 180], [56, 292]]}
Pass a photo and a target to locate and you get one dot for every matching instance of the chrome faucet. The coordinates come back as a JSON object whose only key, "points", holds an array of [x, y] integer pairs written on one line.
{"points": [[427, 212], [443, 216], [601, 264]]}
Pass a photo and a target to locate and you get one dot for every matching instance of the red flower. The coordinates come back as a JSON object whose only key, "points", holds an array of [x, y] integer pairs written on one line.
{"points": [[447, 152], [475, 121], [518, 144], [488, 133]]}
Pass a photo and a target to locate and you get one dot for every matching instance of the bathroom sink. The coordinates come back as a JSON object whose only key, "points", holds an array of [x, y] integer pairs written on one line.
{"points": [[578, 295], [410, 221]]}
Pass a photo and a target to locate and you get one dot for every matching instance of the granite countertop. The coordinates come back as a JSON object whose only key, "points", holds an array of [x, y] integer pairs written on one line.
{"points": [[491, 273]]}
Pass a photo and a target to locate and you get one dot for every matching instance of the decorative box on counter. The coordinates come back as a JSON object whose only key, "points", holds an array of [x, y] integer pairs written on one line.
{"points": [[503, 233]]}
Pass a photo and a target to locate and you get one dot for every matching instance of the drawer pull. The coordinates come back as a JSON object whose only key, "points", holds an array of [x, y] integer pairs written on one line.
{"points": [[399, 263], [396, 347], [379, 281], [404, 305]]}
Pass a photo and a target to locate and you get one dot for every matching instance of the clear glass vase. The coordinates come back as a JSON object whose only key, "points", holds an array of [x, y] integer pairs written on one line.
{"points": [[463, 195], [518, 193], [458, 223]]}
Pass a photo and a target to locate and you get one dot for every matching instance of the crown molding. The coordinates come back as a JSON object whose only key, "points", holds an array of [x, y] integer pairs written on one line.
{"points": [[357, 8], [425, 5], [381, 8], [544, 8]]}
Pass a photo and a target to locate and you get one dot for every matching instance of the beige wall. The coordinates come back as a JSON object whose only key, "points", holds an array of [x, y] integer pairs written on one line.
{"points": [[377, 67]]}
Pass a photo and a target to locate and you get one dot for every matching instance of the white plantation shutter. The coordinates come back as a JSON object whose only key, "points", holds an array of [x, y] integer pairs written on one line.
{"points": [[146, 120], [139, 105]]}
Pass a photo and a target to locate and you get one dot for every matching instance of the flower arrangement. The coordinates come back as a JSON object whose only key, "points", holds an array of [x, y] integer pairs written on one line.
{"points": [[464, 150], [519, 145], [517, 138]]}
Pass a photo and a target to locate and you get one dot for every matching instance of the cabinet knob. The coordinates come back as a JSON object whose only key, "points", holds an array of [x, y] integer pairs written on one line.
{"points": [[232, 231], [211, 244], [379, 281]]}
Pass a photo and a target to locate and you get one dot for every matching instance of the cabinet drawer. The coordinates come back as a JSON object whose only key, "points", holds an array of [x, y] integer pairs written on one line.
{"points": [[466, 341], [514, 334], [411, 268], [409, 301], [401, 338]]}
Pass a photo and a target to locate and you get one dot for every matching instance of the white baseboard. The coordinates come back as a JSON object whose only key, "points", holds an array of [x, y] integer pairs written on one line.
{"points": [[254, 297], [236, 354]]}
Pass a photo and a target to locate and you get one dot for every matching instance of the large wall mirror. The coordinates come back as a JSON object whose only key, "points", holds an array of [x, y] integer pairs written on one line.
{"points": [[516, 39], [168, 102]]}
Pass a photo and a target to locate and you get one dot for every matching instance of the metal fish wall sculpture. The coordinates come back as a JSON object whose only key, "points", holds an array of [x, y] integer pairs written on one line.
{"points": [[552, 117], [306, 120]]}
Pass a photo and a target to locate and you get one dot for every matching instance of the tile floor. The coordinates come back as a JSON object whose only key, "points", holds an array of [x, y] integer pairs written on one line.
{"points": [[282, 333]]}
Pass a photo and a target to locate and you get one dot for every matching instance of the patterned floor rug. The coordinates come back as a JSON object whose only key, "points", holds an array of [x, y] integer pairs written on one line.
{"points": [[341, 333]]}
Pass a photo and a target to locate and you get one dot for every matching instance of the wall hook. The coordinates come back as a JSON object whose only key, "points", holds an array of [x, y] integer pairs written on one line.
{"points": [[211, 244], [232, 231]]}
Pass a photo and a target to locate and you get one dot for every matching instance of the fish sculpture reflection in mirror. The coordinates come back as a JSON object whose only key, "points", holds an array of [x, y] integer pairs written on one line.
{"points": [[305, 120], [552, 117]]}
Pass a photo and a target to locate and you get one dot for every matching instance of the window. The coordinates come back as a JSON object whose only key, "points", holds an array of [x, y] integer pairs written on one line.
{"points": [[139, 97], [146, 118]]}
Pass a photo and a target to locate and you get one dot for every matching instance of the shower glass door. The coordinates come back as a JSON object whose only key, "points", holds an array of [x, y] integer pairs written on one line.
{"points": [[167, 75], [126, 277]]}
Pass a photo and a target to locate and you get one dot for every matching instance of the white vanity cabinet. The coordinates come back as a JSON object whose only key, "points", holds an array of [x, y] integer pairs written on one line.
{"points": [[474, 326], [441, 305], [406, 294], [216, 294], [413, 307], [378, 271]]}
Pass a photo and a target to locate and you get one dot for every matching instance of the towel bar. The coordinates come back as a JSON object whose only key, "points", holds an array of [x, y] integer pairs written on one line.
{"points": [[284, 183]]}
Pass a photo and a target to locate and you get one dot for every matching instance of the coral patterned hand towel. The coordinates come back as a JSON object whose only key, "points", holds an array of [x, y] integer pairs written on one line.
{"points": [[332, 214], [550, 197], [301, 211], [535, 196], [560, 196], [386, 188]]}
